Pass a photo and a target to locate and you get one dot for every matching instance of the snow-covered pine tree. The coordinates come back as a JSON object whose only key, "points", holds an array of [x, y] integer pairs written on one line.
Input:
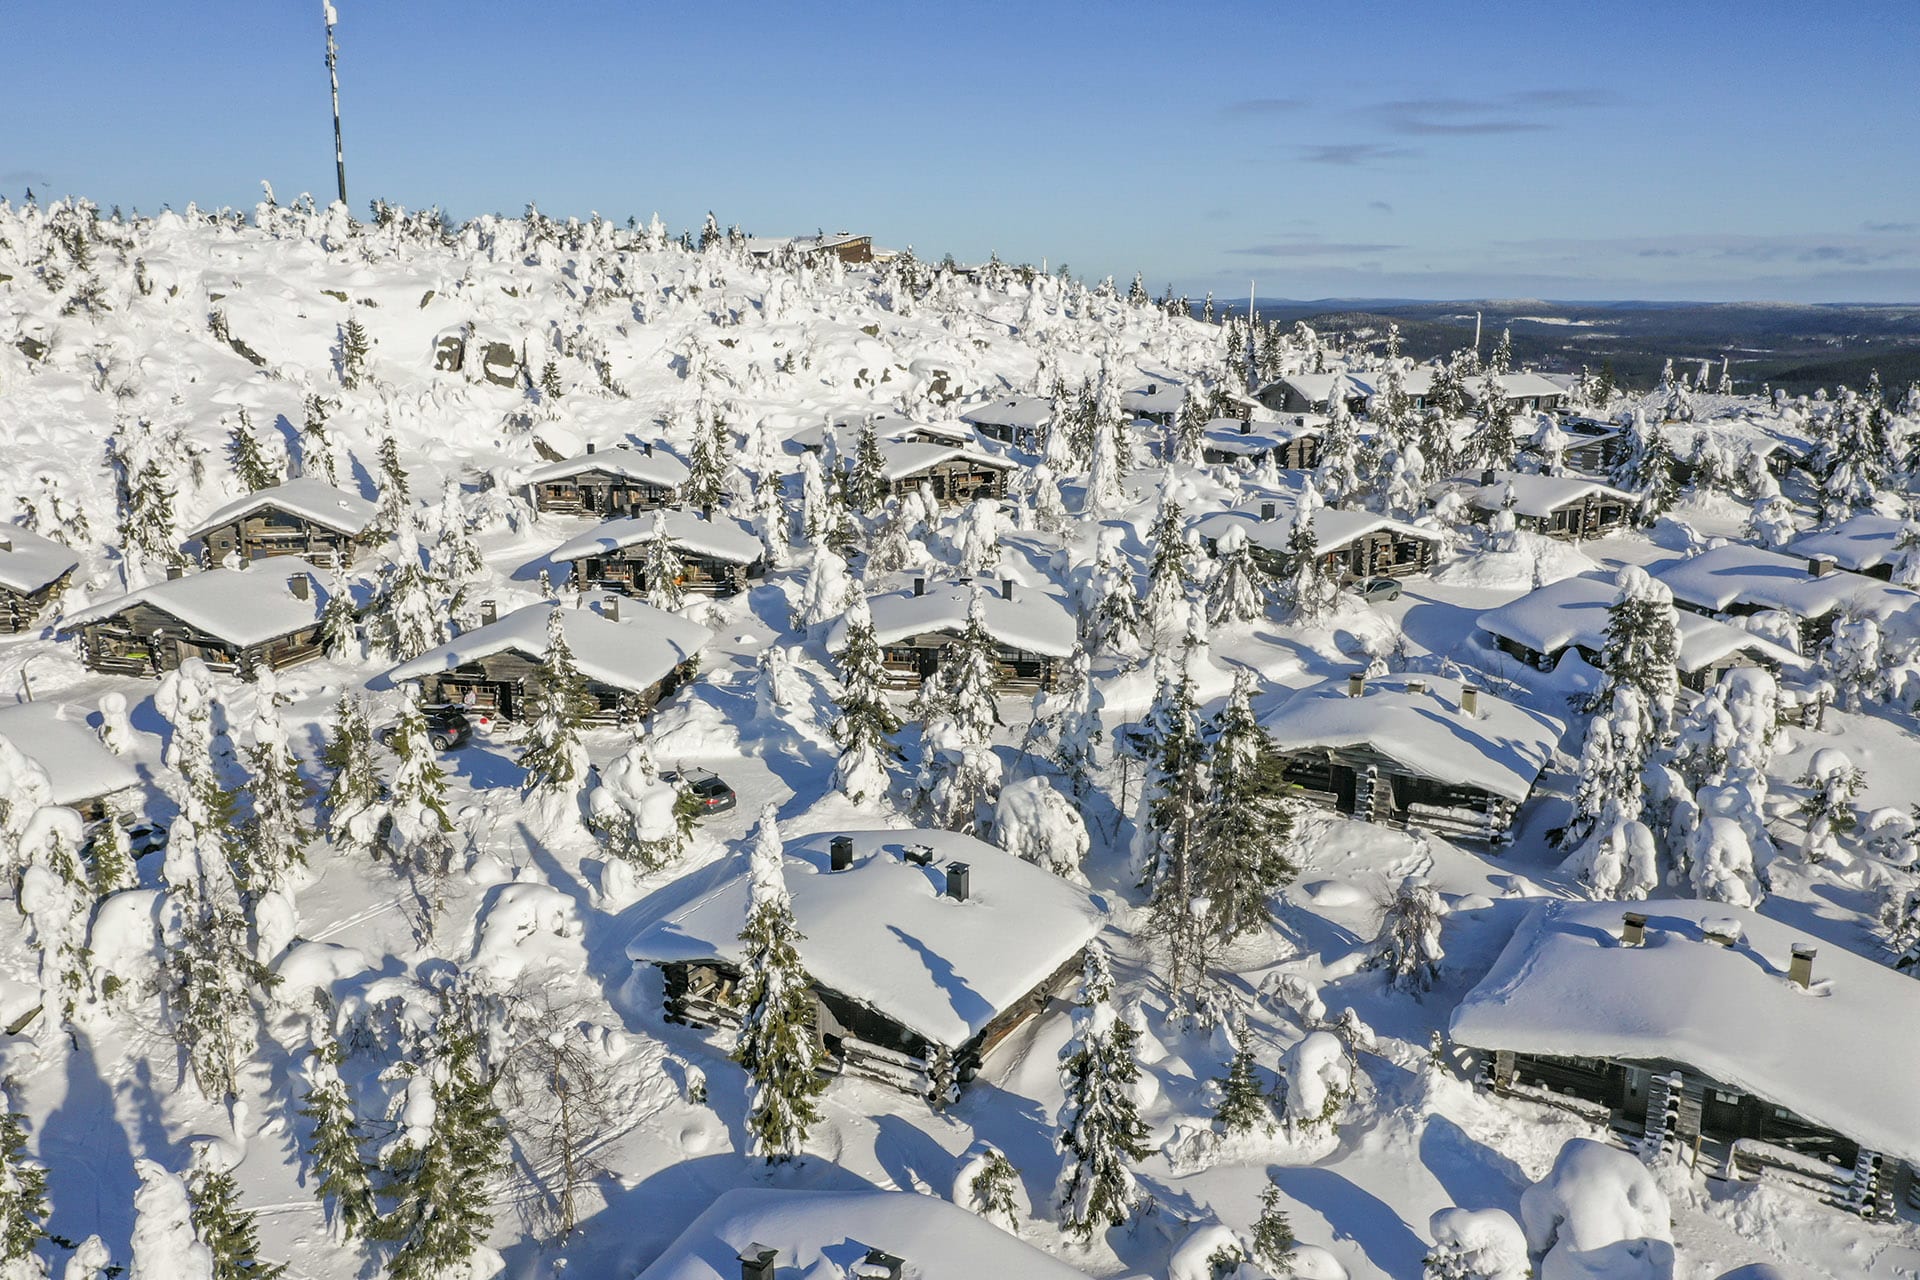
{"points": [[707, 463], [976, 538], [1073, 714], [351, 806], [1409, 936], [1105, 489], [1246, 828], [1240, 585], [219, 1222], [1855, 660], [454, 560], [163, 1244], [408, 613], [557, 707], [1648, 468], [1100, 1131], [23, 1196], [866, 486], [776, 1044], [643, 819], [814, 516], [341, 1177], [1243, 1105], [275, 835], [316, 444], [1169, 827], [340, 622], [1307, 588], [354, 345], [421, 834], [211, 962], [1493, 442], [149, 532], [990, 1192], [1337, 474], [1643, 645], [1273, 1239], [828, 588], [970, 676], [663, 569], [867, 723], [1831, 782], [1771, 522], [253, 466], [1109, 605], [1170, 566], [57, 901]]}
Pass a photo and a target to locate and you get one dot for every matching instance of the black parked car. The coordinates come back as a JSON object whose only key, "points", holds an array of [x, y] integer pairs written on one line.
{"points": [[448, 729], [709, 788]]}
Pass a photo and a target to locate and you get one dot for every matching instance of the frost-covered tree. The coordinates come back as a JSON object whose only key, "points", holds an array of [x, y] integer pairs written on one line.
{"points": [[1240, 585], [1855, 660], [1648, 467], [394, 511], [25, 789], [557, 707], [354, 346], [643, 819], [1272, 1242], [454, 560], [1242, 1107], [421, 833], [1409, 937], [1105, 492], [352, 805], [1072, 716], [316, 443], [1771, 522], [989, 1186], [970, 676], [254, 465], [1246, 829], [976, 538], [1109, 605], [1337, 475], [23, 1196], [1170, 566], [1035, 822], [1476, 1244], [707, 463], [867, 478], [407, 615], [1169, 829], [57, 901], [1101, 1132], [866, 725], [1831, 781], [1307, 588], [663, 569], [341, 1177], [144, 488], [1721, 860], [776, 1044], [340, 622], [211, 962], [221, 1224], [276, 834], [827, 590], [163, 1244]]}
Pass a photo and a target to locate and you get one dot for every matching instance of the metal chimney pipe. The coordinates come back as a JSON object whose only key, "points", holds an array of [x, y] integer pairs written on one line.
{"points": [[1634, 932], [839, 853], [1800, 968]]}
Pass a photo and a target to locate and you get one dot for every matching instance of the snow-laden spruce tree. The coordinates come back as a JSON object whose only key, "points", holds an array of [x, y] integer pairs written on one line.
{"points": [[664, 571], [352, 804], [25, 789], [275, 835], [557, 707], [454, 560], [814, 501], [1101, 1132], [220, 1223], [1307, 589], [1476, 1244], [1032, 820], [1246, 829], [1104, 493], [1854, 659], [211, 962], [394, 511], [163, 1244], [1242, 1105], [1409, 936], [23, 1196], [970, 676], [1721, 862], [640, 817], [864, 731], [1240, 585], [255, 465], [1272, 1242], [421, 834], [353, 348], [1109, 604], [1648, 468], [1072, 719], [342, 1179], [1337, 474], [867, 477], [407, 615], [976, 537], [827, 590], [340, 622], [316, 442], [776, 1043], [438, 1175], [988, 1185], [145, 482], [1831, 781], [1170, 565], [57, 901], [1771, 522], [1610, 849], [199, 752], [116, 730]]}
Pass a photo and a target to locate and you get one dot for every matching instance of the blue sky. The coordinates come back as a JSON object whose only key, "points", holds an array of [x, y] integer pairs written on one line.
{"points": [[1684, 150]]}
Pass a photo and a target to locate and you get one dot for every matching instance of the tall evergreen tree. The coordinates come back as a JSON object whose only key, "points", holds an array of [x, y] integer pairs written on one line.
{"points": [[211, 962], [352, 804], [1101, 1131], [316, 444], [1172, 813], [663, 568], [226, 1229], [1246, 828], [970, 675], [557, 707], [342, 1179], [275, 834], [23, 1193], [421, 834], [407, 615], [867, 723], [707, 462], [1272, 1234], [1170, 565], [776, 1045], [354, 346], [1648, 468], [252, 465], [340, 622], [1240, 584], [867, 479], [1307, 588], [1243, 1107]]}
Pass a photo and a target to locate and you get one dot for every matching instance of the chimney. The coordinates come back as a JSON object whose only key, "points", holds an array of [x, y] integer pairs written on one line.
{"points": [[589, 446], [1634, 933], [1416, 686], [1246, 427], [756, 1261], [297, 583], [879, 1265], [1800, 970], [1469, 701], [175, 572], [839, 853], [919, 855], [1721, 933], [646, 447], [959, 881], [919, 586], [6, 543], [1819, 566], [1356, 684], [1266, 510], [1486, 477], [1006, 588], [489, 613], [610, 609]]}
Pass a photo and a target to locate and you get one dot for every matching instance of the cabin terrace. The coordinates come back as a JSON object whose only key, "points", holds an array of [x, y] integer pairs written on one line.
{"points": [[916, 627], [1413, 751], [1868, 544], [234, 620], [1354, 544], [608, 482], [1559, 506], [1540, 627], [306, 518], [717, 557], [1020, 421], [916, 941], [955, 474], [81, 773], [770, 1233], [1714, 1031], [33, 572], [631, 656], [1738, 579]]}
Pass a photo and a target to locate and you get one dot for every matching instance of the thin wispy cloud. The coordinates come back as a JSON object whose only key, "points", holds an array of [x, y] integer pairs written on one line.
{"points": [[1525, 111], [1312, 249], [1896, 228], [1379, 206], [1354, 153], [1265, 106]]}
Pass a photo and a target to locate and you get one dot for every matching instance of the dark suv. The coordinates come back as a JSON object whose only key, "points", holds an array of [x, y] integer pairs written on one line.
{"points": [[448, 729], [709, 788]]}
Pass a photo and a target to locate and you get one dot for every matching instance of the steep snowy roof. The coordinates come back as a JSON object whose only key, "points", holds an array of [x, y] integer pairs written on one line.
{"points": [[827, 1233], [1538, 496], [1859, 543], [656, 468], [1333, 527], [884, 933], [1316, 387], [29, 561], [1573, 611], [634, 652], [77, 766], [245, 606], [1566, 985], [1736, 573], [1501, 750], [1010, 411], [723, 539], [310, 499], [1521, 385], [1032, 620], [901, 458]]}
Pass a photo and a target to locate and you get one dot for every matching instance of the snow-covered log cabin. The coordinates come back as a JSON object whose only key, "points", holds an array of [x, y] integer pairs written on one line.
{"points": [[1592, 447], [1154, 400], [1354, 544], [916, 628], [304, 517], [1316, 393], [759, 1233], [1558, 506], [1571, 614], [1711, 1031], [630, 655], [917, 941], [608, 483], [234, 620], [1294, 445], [1525, 392], [955, 474], [1867, 543], [717, 557], [1740, 580], [33, 570], [81, 773], [1413, 751], [1017, 420]]}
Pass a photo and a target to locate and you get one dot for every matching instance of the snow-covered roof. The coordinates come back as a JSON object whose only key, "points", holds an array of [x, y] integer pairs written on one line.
{"points": [[245, 606], [1567, 986], [1033, 620], [634, 652], [1521, 385], [1501, 750], [656, 468], [1573, 611], [1317, 387], [886, 426], [885, 933], [1859, 542], [310, 499], [1257, 435], [901, 458], [827, 1233], [30, 562], [722, 539], [1537, 496], [1333, 527], [1737, 573], [1010, 411], [77, 766]]}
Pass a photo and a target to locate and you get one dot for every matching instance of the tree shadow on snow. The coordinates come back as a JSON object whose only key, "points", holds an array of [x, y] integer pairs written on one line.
{"points": [[1357, 1215], [90, 1178], [1474, 1174]]}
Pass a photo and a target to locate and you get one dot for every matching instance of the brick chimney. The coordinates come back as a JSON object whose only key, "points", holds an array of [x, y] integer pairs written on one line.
{"points": [[959, 881], [756, 1261], [1633, 932], [1800, 967], [839, 853], [1356, 684]]}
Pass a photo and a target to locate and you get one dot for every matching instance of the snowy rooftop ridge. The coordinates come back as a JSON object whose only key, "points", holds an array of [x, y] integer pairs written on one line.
{"points": [[1009, 411], [1500, 750], [655, 466], [884, 933], [1737, 573], [1573, 611], [1033, 620], [77, 766], [903, 458], [1858, 543], [1566, 985], [722, 539], [245, 606], [310, 499], [30, 561], [1333, 527], [828, 1233], [1536, 496], [635, 651]]}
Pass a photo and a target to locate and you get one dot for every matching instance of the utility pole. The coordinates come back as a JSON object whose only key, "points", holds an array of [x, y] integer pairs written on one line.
{"points": [[333, 76]]}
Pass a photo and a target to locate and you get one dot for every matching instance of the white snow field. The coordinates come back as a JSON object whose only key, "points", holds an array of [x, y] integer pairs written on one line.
{"points": [[132, 350]]}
